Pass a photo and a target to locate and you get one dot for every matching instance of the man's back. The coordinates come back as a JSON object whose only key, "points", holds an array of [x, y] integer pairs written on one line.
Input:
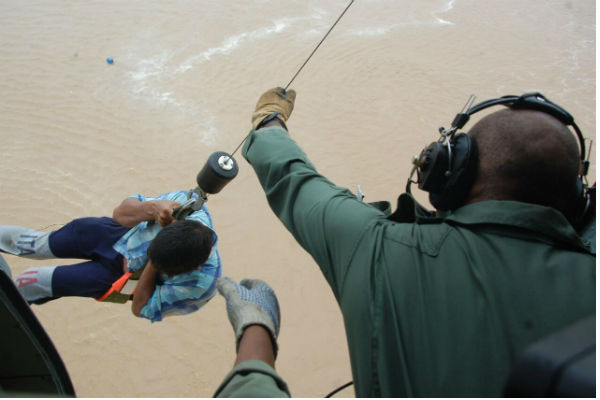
{"points": [[440, 308], [451, 304]]}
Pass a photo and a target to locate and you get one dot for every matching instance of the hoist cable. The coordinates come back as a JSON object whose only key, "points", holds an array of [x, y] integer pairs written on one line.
{"points": [[322, 40], [302, 66]]}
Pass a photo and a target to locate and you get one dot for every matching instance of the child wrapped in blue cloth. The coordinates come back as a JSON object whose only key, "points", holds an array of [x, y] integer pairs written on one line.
{"points": [[178, 259]]}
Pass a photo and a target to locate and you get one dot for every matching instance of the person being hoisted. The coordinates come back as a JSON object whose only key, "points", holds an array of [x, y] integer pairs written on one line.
{"points": [[176, 261]]}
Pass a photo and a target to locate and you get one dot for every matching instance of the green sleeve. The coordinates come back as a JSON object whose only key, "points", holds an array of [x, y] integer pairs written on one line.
{"points": [[328, 221], [253, 379]]}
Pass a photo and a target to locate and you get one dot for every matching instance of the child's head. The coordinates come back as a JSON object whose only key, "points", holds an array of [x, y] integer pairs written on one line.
{"points": [[181, 247]]}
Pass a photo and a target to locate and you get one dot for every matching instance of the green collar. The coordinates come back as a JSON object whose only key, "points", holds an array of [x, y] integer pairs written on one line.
{"points": [[544, 221], [531, 219]]}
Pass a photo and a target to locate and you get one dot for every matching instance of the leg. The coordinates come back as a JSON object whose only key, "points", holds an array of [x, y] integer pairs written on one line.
{"points": [[87, 238], [87, 279], [25, 242]]}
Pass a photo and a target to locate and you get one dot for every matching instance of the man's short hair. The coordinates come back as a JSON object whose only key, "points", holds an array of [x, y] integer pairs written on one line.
{"points": [[181, 247], [527, 156]]}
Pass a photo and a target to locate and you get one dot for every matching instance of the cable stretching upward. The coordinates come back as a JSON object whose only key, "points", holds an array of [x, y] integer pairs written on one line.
{"points": [[305, 62]]}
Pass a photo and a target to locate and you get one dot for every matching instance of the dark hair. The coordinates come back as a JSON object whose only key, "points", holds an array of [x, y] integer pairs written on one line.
{"points": [[527, 156], [181, 247]]}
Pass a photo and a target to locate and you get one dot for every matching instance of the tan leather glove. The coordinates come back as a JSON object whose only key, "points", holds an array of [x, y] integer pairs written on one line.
{"points": [[276, 99]]}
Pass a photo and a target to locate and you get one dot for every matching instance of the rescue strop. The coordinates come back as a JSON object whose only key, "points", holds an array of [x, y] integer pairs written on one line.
{"points": [[122, 289]]}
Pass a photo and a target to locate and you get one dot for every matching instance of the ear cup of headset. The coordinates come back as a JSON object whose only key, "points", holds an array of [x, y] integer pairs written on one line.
{"points": [[450, 187], [580, 206], [434, 164]]}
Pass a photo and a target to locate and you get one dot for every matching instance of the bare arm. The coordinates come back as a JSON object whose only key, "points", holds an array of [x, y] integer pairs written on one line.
{"points": [[131, 211], [144, 289], [256, 344]]}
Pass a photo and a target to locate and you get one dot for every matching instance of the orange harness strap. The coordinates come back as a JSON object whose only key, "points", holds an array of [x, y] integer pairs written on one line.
{"points": [[114, 293]]}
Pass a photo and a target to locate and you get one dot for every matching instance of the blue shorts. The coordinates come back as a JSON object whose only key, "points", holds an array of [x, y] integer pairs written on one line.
{"points": [[89, 239]]}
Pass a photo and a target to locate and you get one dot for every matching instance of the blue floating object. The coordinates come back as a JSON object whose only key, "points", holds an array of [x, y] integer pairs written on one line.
{"points": [[110, 60]]}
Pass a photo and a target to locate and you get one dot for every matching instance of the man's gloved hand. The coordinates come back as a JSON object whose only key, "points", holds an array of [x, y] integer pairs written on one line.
{"points": [[276, 99], [251, 302]]}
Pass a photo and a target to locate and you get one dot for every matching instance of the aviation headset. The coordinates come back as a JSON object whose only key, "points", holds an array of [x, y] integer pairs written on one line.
{"points": [[446, 168]]}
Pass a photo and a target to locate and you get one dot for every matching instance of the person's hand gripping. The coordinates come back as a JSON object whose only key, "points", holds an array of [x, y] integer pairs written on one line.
{"points": [[274, 103], [251, 302], [163, 211]]}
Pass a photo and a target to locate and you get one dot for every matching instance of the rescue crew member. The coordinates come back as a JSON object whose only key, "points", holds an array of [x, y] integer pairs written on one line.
{"points": [[442, 306], [179, 264]]}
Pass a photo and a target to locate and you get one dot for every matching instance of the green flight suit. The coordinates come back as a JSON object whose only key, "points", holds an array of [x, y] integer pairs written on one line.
{"points": [[252, 379], [438, 307]]}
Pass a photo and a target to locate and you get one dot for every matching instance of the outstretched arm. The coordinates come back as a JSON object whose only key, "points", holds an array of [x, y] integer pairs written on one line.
{"points": [[133, 211], [327, 220], [252, 302], [253, 311], [256, 344]]}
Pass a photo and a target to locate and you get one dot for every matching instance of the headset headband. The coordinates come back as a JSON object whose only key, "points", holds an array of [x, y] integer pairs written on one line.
{"points": [[530, 101], [446, 168]]}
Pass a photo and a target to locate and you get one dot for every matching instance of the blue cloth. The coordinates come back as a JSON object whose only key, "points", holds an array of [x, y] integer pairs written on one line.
{"points": [[179, 294]]}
